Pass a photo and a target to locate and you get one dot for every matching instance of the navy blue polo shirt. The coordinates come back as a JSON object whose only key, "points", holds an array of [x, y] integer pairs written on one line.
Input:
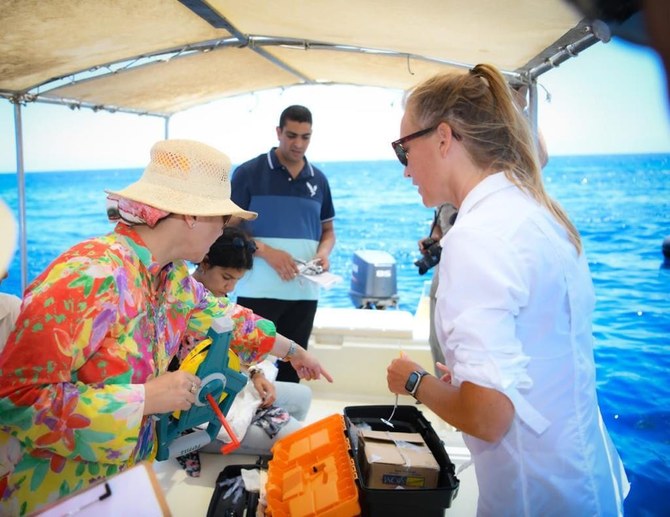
{"points": [[290, 215]]}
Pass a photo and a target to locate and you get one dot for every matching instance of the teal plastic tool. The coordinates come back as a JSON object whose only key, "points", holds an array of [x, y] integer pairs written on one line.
{"points": [[217, 378]]}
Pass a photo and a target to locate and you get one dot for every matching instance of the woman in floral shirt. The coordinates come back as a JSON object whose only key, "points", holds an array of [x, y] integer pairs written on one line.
{"points": [[86, 365]]}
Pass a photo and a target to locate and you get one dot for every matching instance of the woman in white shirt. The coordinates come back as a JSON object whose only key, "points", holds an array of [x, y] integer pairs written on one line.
{"points": [[514, 307], [9, 304]]}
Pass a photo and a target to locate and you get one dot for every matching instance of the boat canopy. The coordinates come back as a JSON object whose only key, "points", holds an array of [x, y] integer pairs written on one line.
{"points": [[160, 57]]}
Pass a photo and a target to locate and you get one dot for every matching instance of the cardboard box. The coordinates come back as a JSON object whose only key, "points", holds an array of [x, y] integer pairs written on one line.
{"points": [[396, 460]]}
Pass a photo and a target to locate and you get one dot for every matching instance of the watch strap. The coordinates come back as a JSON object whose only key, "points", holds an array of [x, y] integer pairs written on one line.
{"points": [[420, 375], [292, 348]]}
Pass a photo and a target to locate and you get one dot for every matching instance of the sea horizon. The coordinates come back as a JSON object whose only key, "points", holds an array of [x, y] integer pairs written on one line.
{"points": [[367, 160]]}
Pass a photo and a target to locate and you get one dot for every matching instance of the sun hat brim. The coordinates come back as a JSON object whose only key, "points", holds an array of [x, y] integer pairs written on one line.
{"points": [[9, 232], [186, 177], [178, 202]]}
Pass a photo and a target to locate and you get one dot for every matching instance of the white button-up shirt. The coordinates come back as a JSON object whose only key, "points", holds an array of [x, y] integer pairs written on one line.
{"points": [[514, 312], [10, 307]]}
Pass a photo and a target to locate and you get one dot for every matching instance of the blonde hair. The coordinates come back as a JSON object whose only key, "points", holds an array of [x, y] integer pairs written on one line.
{"points": [[480, 108]]}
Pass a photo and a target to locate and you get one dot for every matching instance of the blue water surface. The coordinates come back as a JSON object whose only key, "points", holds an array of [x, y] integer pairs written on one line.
{"points": [[620, 204]]}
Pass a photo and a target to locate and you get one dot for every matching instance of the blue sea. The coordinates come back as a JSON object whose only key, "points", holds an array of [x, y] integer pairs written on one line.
{"points": [[620, 204]]}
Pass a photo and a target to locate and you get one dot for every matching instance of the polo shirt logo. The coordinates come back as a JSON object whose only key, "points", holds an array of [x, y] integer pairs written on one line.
{"points": [[312, 189]]}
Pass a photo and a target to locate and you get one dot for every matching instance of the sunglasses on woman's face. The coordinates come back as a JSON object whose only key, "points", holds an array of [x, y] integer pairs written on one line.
{"points": [[400, 150]]}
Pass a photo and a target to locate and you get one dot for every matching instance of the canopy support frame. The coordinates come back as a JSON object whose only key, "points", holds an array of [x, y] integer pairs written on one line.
{"points": [[21, 185]]}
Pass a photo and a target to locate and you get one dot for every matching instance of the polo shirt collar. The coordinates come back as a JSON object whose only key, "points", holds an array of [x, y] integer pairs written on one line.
{"points": [[274, 163]]}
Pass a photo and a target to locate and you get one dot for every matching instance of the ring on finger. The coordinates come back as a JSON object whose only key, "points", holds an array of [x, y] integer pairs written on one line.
{"points": [[194, 387]]}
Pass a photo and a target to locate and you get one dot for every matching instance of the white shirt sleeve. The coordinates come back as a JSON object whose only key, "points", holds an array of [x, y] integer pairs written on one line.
{"points": [[482, 288], [10, 307]]}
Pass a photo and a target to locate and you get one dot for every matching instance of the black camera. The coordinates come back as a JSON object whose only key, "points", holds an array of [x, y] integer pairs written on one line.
{"points": [[431, 255]]}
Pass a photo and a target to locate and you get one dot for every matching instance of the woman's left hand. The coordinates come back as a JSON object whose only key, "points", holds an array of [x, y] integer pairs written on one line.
{"points": [[265, 389], [308, 367]]}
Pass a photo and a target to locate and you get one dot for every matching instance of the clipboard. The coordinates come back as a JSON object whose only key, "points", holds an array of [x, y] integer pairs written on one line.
{"points": [[134, 491]]}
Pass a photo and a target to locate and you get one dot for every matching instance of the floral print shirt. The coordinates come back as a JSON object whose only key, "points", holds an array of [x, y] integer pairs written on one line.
{"points": [[99, 322]]}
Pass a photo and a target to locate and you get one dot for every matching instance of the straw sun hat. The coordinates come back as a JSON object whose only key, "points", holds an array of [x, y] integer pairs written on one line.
{"points": [[186, 177], [7, 237]]}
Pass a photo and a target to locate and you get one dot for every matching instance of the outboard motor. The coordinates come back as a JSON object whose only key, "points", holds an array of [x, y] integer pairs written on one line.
{"points": [[373, 280]]}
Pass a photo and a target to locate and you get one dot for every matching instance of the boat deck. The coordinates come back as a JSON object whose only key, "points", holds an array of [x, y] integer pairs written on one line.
{"points": [[189, 497], [356, 346]]}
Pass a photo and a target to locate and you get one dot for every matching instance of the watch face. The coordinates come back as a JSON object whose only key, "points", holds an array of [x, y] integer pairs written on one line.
{"points": [[411, 381]]}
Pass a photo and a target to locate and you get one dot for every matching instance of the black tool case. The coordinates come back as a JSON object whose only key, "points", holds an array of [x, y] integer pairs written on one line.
{"points": [[390, 503], [233, 503]]}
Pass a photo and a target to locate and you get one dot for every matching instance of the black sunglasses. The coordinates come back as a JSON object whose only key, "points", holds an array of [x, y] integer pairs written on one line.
{"points": [[239, 242], [400, 150]]}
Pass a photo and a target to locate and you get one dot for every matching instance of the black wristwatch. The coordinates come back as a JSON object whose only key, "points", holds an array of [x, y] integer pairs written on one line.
{"points": [[413, 382]]}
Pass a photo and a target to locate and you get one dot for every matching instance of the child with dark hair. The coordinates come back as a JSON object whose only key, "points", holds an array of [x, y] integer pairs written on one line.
{"points": [[226, 262], [264, 411]]}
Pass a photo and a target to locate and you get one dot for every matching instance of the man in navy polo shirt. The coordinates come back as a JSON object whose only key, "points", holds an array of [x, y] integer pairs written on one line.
{"points": [[295, 222]]}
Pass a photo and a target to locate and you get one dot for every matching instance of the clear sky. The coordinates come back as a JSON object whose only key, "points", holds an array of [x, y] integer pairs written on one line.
{"points": [[610, 99]]}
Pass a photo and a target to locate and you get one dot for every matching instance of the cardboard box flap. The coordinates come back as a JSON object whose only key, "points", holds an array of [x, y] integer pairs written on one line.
{"points": [[406, 449], [388, 436]]}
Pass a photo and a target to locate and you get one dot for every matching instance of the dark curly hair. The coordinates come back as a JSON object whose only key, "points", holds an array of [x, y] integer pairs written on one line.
{"points": [[232, 249]]}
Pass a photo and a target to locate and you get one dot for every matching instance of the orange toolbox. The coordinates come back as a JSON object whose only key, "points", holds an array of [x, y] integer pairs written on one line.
{"points": [[312, 473], [315, 471]]}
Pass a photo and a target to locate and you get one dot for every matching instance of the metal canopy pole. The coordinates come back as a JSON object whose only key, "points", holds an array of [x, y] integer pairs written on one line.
{"points": [[21, 183], [532, 108]]}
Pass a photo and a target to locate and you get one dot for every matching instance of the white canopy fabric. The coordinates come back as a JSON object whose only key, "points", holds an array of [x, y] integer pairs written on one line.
{"points": [[164, 56]]}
